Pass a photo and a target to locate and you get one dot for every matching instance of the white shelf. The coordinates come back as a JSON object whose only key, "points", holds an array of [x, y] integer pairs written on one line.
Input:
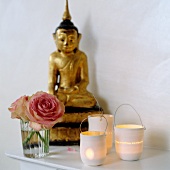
{"points": [[61, 159]]}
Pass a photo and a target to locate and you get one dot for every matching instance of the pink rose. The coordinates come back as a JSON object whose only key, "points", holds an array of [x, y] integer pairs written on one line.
{"points": [[44, 110], [18, 108]]}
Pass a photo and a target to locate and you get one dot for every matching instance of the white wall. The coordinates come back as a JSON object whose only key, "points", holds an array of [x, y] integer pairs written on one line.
{"points": [[128, 47]]}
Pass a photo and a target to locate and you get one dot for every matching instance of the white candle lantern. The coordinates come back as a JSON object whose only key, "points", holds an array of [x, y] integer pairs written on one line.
{"points": [[129, 139], [92, 147], [99, 123]]}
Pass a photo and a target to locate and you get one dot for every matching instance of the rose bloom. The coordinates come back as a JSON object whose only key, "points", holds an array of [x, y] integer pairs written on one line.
{"points": [[18, 108], [44, 110]]}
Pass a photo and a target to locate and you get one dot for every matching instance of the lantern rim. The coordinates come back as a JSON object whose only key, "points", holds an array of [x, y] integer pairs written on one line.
{"points": [[93, 133], [129, 126], [99, 115]]}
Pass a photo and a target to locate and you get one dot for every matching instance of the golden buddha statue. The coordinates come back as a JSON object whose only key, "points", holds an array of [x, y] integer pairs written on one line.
{"points": [[68, 67], [68, 80]]}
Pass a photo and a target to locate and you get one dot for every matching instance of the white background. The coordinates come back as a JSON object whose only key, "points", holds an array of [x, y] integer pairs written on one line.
{"points": [[128, 47]]}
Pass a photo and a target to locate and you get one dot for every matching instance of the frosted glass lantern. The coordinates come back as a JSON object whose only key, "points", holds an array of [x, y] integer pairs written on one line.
{"points": [[93, 147], [99, 123], [129, 140]]}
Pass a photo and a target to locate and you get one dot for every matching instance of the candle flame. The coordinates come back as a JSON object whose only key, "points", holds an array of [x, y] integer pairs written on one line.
{"points": [[89, 153]]}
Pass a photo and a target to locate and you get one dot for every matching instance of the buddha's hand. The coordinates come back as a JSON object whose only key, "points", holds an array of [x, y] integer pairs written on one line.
{"points": [[74, 89]]}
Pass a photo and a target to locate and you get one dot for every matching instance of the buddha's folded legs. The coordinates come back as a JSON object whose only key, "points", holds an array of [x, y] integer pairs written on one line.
{"points": [[77, 100]]}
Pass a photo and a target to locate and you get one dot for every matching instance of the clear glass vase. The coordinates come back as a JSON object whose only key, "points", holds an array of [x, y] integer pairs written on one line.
{"points": [[35, 143]]}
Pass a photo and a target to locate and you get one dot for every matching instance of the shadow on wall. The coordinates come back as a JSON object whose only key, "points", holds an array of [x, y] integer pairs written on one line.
{"points": [[157, 139], [90, 49]]}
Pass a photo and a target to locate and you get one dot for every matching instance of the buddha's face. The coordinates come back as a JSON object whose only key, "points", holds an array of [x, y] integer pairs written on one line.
{"points": [[66, 40]]}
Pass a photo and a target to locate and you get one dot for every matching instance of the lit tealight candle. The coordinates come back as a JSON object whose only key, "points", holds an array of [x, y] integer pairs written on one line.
{"points": [[89, 153], [128, 138], [129, 141], [92, 147]]}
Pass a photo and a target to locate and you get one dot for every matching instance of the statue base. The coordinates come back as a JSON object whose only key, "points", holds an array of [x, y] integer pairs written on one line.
{"points": [[67, 132]]}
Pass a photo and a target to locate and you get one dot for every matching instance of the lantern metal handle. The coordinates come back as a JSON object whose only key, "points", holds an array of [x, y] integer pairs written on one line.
{"points": [[100, 120], [133, 109]]}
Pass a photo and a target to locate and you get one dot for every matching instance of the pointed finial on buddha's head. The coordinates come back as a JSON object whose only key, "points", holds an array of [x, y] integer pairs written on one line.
{"points": [[66, 15], [66, 23]]}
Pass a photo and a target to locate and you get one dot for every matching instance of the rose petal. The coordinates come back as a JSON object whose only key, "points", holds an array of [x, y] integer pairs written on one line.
{"points": [[35, 126]]}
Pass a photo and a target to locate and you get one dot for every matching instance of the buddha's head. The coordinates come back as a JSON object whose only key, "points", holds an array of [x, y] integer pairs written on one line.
{"points": [[66, 35]]}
